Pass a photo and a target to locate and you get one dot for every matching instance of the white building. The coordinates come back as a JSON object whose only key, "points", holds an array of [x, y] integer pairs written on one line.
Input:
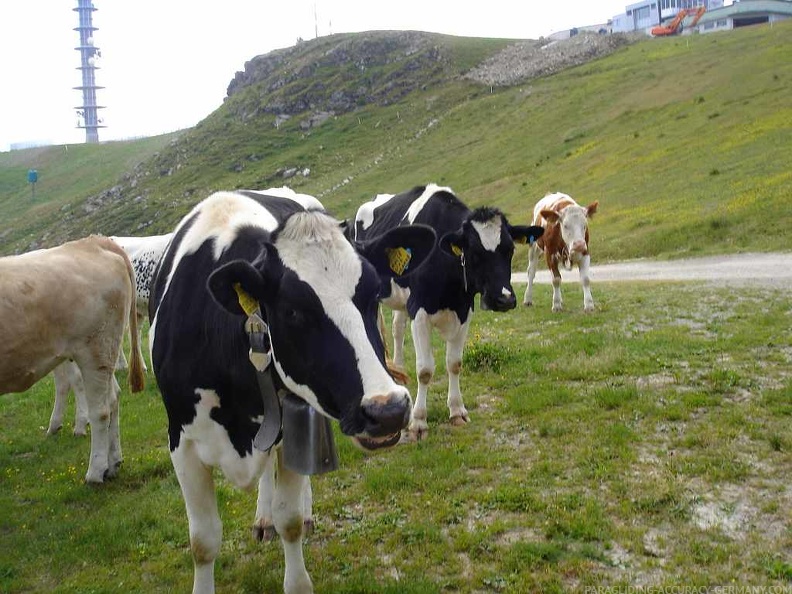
{"points": [[745, 13], [642, 16]]}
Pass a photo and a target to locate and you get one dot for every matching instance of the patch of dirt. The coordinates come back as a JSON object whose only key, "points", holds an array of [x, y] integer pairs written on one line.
{"points": [[752, 269]]}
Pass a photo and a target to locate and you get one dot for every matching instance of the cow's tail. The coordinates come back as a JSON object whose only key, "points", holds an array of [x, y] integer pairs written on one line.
{"points": [[395, 372], [137, 379]]}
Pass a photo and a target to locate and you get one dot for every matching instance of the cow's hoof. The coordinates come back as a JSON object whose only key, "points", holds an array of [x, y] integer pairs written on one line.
{"points": [[459, 420], [80, 431], [112, 471], [414, 434], [264, 532], [527, 303], [93, 479], [558, 308], [588, 308], [53, 430], [267, 533]]}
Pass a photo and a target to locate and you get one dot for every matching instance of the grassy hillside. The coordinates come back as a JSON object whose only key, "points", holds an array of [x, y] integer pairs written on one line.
{"points": [[68, 175], [684, 142]]}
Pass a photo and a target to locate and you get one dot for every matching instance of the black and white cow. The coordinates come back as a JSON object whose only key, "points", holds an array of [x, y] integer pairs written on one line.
{"points": [[145, 254], [476, 248], [320, 298]]}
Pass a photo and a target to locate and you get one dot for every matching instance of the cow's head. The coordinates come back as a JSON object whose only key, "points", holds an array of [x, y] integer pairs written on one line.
{"points": [[573, 222], [485, 246], [319, 295]]}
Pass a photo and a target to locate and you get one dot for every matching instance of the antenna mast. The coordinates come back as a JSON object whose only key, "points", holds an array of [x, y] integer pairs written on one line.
{"points": [[88, 112]]}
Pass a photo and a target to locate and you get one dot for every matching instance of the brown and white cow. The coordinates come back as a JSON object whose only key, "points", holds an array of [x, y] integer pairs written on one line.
{"points": [[565, 241], [72, 302]]}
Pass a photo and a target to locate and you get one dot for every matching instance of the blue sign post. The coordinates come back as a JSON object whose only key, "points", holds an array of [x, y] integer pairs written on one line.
{"points": [[32, 179]]}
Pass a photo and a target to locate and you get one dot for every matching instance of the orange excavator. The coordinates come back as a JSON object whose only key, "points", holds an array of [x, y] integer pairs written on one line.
{"points": [[675, 26]]}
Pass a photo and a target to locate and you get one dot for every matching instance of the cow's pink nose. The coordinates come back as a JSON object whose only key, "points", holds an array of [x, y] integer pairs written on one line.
{"points": [[580, 247]]}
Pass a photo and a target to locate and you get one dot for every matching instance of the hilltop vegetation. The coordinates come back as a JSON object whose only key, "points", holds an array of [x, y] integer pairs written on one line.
{"points": [[684, 142]]}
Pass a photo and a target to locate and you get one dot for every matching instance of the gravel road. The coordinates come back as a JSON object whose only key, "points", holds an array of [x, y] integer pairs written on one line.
{"points": [[769, 269]]}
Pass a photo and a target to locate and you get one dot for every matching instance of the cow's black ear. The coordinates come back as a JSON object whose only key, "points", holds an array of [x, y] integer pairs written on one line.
{"points": [[230, 283], [453, 243], [400, 251], [525, 234]]}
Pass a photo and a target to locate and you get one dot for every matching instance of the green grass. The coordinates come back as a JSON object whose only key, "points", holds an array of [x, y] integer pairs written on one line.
{"points": [[683, 160], [648, 442]]}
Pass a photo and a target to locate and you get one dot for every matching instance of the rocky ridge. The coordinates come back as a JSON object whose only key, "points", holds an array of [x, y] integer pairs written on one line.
{"points": [[529, 59]]}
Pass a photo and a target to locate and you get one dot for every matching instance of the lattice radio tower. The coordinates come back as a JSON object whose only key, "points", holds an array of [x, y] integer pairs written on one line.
{"points": [[88, 112]]}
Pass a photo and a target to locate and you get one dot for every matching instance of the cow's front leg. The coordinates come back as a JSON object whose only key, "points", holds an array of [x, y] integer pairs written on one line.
{"points": [[62, 387], [533, 264], [457, 412], [140, 320], [206, 530], [425, 368], [558, 302], [287, 515], [121, 362], [584, 267], [399, 327], [263, 527]]}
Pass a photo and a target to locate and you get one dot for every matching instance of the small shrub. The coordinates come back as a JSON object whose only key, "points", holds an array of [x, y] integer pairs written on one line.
{"points": [[487, 356]]}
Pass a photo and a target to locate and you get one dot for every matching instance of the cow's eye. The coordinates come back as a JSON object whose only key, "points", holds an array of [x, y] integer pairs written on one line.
{"points": [[293, 317]]}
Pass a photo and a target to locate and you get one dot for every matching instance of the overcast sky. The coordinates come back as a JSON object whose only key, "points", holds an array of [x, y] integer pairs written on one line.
{"points": [[166, 64]]}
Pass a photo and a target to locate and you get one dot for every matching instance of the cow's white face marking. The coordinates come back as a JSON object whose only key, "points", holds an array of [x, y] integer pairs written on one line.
{"points": [[365, 214], [489, 233], [573, 225], [418, 205], [505, 292], [321, 257]]}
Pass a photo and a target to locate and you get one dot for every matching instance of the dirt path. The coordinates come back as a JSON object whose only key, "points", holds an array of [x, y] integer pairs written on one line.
{"points": [[771, 269]]}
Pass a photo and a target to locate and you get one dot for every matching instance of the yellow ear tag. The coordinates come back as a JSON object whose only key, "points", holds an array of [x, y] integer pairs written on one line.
{"points": [[399, 259], [457, 250], [246, 301]]}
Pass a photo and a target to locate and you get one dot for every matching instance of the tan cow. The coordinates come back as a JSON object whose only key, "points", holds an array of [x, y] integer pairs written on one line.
{"points": [[565, 241], [72, 302]]}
